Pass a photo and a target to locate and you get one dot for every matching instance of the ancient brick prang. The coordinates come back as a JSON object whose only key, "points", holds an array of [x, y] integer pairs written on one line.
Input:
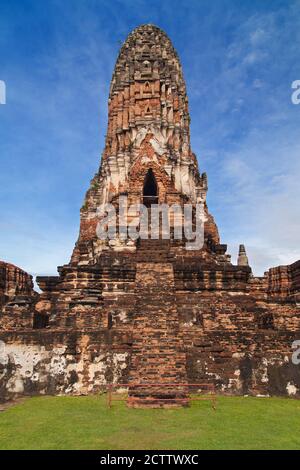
{"points": [[284, 282], [17, 297], [148, 129], [13, 281], [144, 311]]}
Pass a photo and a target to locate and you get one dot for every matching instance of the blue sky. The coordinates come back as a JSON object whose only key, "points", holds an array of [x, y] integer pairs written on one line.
{"points": [[239, 59]]}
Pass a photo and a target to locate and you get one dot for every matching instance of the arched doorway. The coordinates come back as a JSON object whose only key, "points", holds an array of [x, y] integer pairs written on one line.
{"points": [[150, 190]]}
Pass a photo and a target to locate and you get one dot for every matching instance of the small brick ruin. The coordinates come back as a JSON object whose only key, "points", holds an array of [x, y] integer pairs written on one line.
{"points": [[149, 311]]}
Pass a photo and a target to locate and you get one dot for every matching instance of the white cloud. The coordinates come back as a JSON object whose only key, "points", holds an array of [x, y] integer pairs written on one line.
{"points": [[263, 201]]}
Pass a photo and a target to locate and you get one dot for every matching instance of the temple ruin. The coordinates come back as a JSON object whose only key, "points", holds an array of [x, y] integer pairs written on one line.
{"points": [[142, 311]]}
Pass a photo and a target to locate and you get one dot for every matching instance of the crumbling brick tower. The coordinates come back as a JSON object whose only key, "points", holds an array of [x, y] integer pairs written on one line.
{"points": [[143, 311], [148, 159]]}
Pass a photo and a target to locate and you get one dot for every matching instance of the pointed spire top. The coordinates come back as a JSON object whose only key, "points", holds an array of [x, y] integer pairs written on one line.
{"points": [[147, 54]]}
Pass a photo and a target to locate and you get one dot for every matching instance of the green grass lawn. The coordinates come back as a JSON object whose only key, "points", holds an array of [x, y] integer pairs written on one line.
{"points": [[86, 423]]}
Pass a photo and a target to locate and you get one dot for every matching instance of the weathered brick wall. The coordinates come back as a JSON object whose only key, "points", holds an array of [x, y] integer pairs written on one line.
{"points": [[244, 363], [284, 281], [13, 281], [17, 298], [82, 362], [55, 362], [295, 280]]}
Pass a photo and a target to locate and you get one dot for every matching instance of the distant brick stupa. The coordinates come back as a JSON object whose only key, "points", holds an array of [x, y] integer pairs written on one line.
{"points": [[150, 312]]}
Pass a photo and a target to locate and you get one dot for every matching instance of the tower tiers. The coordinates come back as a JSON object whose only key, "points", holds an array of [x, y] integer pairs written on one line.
{"points": [[148, 160], [148, 132]]}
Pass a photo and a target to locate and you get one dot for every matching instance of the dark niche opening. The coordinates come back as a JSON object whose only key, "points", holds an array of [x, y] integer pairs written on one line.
{"points": [[266, 322], [40, 321], [150, 191], [109, 321]]}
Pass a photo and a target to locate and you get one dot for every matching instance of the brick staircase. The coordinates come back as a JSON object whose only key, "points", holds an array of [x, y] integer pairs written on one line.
{"points": [[157, 350]]}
